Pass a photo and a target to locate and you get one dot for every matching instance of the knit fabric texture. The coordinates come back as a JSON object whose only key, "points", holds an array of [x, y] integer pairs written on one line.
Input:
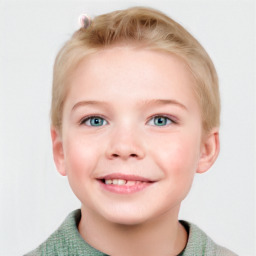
{"points": [[66, 241]]}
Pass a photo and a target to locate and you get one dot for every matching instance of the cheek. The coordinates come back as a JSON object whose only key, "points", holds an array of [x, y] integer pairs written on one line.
{"points": [[179, 163], [80, 159], [178, 158]]}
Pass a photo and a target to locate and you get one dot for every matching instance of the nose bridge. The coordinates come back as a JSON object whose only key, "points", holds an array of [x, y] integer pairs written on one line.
{"points": [[125, 142]]}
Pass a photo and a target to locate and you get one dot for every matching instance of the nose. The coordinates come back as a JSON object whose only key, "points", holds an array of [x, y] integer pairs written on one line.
{"points": [[125, 144]]}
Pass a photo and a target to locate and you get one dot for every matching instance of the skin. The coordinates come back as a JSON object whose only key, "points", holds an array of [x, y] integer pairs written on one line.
{"points": [[149, 126]]}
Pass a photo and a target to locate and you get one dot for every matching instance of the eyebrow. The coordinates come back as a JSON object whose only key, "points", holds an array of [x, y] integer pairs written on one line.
{"points": [[163, 102], [142, 103], [88, 103]]}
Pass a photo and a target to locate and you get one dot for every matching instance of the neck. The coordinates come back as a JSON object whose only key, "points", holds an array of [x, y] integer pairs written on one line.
{"points": [[162, 236]]}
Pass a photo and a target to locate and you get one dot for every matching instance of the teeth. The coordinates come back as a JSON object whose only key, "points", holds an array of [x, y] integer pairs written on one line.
{"points": [[116, 182], [121, 182]]}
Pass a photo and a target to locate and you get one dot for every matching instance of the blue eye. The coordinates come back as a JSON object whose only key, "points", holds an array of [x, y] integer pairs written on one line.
{"points": [[94, 121], [160, 121]]}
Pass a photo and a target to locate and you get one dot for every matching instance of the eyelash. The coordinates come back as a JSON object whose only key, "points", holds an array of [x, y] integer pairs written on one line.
{"points": [[166, 117], [171, 120], [88, 118]]}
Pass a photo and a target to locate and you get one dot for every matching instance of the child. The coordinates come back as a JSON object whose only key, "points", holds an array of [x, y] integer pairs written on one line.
{"points": [[135, 114]]}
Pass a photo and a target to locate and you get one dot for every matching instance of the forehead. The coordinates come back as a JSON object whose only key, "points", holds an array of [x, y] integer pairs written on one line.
{"points": [[132, 73]]}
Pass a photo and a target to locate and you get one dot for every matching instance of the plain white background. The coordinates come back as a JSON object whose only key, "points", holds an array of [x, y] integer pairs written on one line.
{"points": [[35, 199]]}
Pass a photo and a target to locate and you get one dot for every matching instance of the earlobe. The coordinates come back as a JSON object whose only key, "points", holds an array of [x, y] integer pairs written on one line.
{"points": [[209, 151], [58, 154]]}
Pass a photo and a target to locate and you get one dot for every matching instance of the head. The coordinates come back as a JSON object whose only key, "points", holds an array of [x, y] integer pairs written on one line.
{"points": [[135, 100], [152, 30]]}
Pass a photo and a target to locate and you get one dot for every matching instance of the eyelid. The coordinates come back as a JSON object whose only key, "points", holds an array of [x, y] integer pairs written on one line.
{"points": [[85, 118], [173, 119]]}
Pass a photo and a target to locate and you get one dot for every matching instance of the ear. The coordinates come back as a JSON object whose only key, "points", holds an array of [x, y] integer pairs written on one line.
{"points": [[210, 149], [57, 148]]}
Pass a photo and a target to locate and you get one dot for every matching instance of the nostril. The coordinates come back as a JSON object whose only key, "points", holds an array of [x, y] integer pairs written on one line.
{"points": [[117, 155]]}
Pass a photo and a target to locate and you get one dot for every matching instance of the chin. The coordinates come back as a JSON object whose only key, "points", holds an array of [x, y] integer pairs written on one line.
{"points": [[127, 221], [126, 217]]}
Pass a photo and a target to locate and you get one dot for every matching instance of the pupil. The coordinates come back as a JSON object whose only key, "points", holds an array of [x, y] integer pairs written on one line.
{"points": [[160, 121], [96, 121]]}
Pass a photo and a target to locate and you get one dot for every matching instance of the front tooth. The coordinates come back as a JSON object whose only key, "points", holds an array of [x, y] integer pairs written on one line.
{"points": [[115, 181], [121, 182]]}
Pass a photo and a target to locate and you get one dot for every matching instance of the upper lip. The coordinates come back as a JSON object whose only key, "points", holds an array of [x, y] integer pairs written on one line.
{"points": [[122, 176]]}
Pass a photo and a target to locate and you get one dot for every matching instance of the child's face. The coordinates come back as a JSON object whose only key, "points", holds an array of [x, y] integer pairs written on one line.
{"points": [[130, 116]]}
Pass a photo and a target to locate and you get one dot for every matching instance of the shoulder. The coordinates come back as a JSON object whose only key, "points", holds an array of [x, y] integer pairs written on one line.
{"points": [[66, 240], [201, 244]]}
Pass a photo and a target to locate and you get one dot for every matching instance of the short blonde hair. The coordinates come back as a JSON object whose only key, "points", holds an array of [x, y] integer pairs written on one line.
{"points": [[152, 29]]}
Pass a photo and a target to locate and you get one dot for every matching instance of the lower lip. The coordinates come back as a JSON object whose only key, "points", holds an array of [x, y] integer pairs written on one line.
{"points": [[123, 189]]}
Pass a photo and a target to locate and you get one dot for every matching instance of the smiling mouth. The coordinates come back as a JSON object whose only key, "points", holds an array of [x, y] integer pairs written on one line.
{"points": [[121, 182], [124, 184]]}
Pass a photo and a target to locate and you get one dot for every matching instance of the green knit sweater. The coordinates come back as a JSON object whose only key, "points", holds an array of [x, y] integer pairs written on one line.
{"points": [[66, 241]]}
